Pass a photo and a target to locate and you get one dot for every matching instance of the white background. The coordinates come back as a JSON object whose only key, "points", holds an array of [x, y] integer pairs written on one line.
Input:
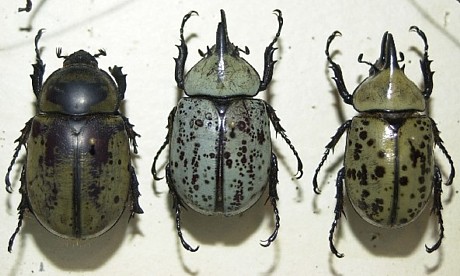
{"points": [[140, 36]]}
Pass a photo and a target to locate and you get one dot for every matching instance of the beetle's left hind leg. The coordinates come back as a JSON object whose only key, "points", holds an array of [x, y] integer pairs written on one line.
{"points": [[177, 204], [21, 208], [338, 211], [273, 197], [135, 191], [437, 208]]}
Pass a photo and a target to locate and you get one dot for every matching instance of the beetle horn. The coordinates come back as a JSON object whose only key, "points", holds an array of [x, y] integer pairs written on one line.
{"points": [[388, 56], [222, 36], [222, 43]]}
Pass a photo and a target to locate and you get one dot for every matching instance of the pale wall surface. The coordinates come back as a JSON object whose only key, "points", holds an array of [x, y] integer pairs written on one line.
{"points": [[140, 36]]}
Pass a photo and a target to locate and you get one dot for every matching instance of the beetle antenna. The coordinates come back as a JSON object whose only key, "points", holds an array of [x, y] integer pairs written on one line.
{"points": [[101, 52], [401, 56], [245, 51], [360, 60], [59, 53]]}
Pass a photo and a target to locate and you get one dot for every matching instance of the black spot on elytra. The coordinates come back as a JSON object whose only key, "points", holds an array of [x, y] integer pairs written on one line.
{"points": [[403, 181], [370, 142], [357, 151], [377, 206], [261, 137], [351, 173], [379, 171], [365, 193], [421, 180], [92, 150], [363, 135], [362, 175]]}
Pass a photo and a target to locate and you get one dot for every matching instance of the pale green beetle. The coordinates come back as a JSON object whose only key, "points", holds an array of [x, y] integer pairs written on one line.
{"points": [[389, 167], [220, 154]]}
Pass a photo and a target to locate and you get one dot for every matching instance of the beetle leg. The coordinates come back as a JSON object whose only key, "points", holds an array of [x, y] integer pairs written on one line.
{"points": [[21, 141], [273, 197], [120, 78], [437, 208], [425, 64], [131, 133], [135, 192], [39, 67], [165, 143], [438, 141], [338, 77], [23, 205], [269, 63], [338, 211], [177, 204], [331, 145], [279, 129], [27, 8], [183, 52]]}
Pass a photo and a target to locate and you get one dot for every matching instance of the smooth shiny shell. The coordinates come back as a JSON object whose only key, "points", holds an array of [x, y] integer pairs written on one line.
{"points": [[79, 89], [389, 168], [221, 78], [388, 90], [220, 154], [77, 178]]}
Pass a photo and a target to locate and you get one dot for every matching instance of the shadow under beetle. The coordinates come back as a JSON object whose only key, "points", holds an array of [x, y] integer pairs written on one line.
{"points": [[389, 167], [77, 178], [220, 153]]}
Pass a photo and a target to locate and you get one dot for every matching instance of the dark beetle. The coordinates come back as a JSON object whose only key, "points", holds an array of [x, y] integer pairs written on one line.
{"points": [[77, 178], [389, 166], [220, 157]]}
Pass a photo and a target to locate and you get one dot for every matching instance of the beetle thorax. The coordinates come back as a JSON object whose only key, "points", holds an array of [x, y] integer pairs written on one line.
{"points": [[79, 88], [222, 73], [387, 88]]}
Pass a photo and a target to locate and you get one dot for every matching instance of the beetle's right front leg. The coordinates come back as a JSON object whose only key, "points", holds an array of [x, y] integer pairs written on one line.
{"points": [[39, 67], [338, 76]]}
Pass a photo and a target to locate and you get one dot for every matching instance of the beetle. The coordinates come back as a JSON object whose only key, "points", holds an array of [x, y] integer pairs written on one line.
{"points": [[77, 177], [220, 151], [389, 168]]}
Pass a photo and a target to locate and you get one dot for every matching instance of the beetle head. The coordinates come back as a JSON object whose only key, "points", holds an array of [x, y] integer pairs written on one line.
{"points": [[222, 72], [80, 57], [387, 88]]}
